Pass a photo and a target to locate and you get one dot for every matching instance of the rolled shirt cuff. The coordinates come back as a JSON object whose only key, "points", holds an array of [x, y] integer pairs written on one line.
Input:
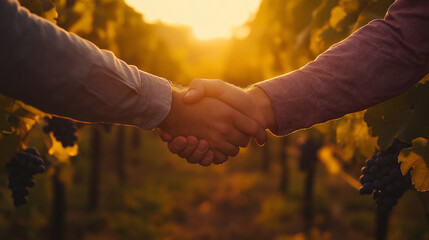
{"points": [[154, 102], [294, 103]]}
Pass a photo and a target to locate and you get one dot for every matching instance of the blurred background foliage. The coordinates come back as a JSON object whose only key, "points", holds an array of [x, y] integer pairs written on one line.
{"points": [[124, 184]]}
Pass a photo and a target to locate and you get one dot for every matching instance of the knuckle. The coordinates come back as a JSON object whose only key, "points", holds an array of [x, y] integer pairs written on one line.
{"points": [[172, 148], [189, 149], [254, 129], [185, 153], [220, 161], [196, 157], [215, 143], [202, 147], [205, 163], [224, 130], [192, 160], [192, 141], [227, 113], [234, 152], [245, 142]]}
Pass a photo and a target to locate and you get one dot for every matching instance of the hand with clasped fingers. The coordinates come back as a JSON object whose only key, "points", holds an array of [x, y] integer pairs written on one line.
{"points": [[252, 103], [221, 128]]}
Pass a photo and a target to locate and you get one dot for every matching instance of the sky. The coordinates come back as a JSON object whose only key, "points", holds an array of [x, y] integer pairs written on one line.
{"points": [[208, 18]]}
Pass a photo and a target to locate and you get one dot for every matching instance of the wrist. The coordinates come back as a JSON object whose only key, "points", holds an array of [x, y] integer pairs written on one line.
{"points": [[261, 99], [177, 105]]}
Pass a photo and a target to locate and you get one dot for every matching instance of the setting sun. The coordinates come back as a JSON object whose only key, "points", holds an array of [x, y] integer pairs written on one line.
{"points": [[208, 18]]}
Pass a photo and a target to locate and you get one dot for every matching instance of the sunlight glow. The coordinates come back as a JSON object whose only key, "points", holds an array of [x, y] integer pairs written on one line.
{"points": [[208, 18]]}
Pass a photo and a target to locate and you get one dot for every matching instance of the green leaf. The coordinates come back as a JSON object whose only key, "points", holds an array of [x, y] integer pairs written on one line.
{"points": [[13, 120], [5, 125], [405, 117], [6, 121], [8, 145], [352, 135], [35, 6]]}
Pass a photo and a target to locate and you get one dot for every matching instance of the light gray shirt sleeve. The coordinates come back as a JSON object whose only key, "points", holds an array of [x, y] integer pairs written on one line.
{"points": [[63, 74]]}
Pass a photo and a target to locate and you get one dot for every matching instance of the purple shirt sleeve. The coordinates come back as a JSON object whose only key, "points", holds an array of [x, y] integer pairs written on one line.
{"points": [[378, 62], [63, 74]]}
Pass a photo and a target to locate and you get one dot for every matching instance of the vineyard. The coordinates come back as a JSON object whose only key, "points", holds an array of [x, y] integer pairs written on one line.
{"points": [[363, 176]]}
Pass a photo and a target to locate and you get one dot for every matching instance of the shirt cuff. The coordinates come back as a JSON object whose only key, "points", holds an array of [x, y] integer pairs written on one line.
{"points": [[294, 103], [154, 103]]}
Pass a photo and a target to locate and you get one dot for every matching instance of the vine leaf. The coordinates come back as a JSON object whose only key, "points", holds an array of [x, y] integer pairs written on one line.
{"points": [[32, 111], [51, 15], [414, 159], [419, 171], [8, 147], [5, 106], [326, 154], [352, 135], [62, 154], [405, 117], [337, 14]]}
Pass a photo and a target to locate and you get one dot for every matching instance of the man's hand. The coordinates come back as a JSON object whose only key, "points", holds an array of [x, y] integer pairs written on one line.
{"points": [[224, 128], [253, 103]]}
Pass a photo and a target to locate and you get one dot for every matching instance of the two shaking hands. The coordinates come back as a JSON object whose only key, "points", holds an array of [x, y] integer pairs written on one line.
{"points": [[211, 120]]}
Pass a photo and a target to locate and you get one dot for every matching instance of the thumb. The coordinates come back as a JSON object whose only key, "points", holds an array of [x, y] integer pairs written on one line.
{"points": [[225, 92], [196, 91]]}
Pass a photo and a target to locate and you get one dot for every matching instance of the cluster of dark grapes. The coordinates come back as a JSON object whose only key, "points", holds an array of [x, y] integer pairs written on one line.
{"points": [[382, 177], [21, 169], [64, 130]]}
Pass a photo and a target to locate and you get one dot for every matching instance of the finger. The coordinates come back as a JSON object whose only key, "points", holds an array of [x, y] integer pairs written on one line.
{"points": [[250, 127], [225, 148], [178, 144], [199, 153], [219, 158], [189, 149], [165, 136], [237, 138], [208, 159]]}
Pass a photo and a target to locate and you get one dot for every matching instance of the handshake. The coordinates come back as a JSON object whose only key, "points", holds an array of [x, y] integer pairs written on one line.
{"points": [[212, 119]]}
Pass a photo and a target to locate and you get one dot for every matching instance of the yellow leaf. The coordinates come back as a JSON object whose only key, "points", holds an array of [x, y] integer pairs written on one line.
{"points": [[327, 157], [29, 122], [32, 109], [349, 6], [419, 170], [61, 153], [425, 78], [51, 15], [337, 14]]}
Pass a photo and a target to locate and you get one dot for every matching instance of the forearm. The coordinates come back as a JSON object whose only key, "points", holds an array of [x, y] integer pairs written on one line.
{"points": [[378, 62], [63, 74]]}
